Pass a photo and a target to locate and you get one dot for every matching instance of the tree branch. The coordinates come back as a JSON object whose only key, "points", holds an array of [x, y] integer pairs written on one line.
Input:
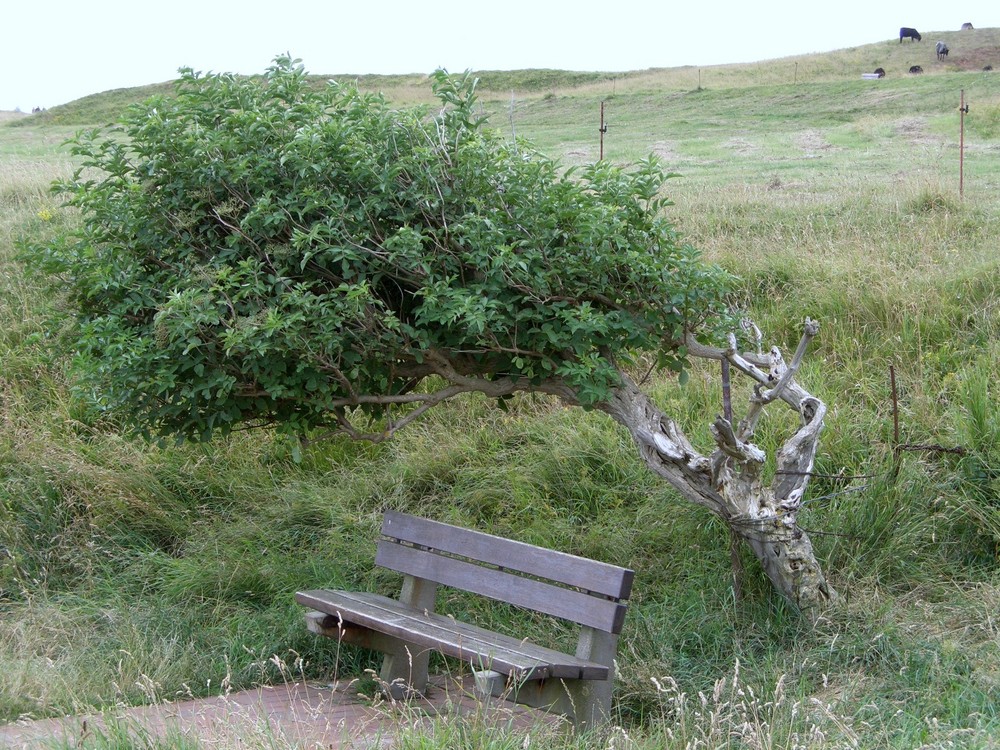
{"points": [[663, 446], [730, 444], [752, 364], [796, 458], [809, 331]]}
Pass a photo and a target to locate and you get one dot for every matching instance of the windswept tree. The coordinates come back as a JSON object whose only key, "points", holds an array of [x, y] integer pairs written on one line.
{"points": [[261, 252]]}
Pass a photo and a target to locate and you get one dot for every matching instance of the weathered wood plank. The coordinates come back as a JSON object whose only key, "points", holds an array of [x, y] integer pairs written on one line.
{"points": [[330, 626], [429, 553], [569, 604], [570, 570], [477, 646]]}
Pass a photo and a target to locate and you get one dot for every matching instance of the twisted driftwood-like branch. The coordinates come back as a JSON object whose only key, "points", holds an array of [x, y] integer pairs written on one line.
{"points": [[728, 482]]}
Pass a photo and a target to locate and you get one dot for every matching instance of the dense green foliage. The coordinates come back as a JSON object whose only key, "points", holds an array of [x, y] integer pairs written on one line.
{"points": [[256, 251]]}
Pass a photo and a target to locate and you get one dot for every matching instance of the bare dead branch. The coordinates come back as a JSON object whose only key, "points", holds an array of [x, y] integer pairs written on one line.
{"points": [[810, 330], [730, 444], [796, 458], [752, 366]]}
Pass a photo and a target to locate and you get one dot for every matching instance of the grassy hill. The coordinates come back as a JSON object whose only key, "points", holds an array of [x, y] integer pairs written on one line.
{"points": [[971, 51], [130, 573]]}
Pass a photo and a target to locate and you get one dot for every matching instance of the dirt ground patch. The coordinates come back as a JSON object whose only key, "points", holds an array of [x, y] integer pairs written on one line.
{"points": [[984, 58], [915, 130], [811, 142], [298, 715], [741, 146], [666, 150]]}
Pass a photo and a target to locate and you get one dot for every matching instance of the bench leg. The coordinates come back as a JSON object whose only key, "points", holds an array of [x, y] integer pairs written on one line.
{"points": [[574, 699], [590, 703], [592, 699], [490, 688], [402, 665], [404, 669], [586, 702]]}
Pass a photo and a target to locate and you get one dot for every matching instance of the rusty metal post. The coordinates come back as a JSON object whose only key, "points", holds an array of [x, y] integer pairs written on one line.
{"points": [[896, 451], [963, 109], [604, 129], [895, 407]]}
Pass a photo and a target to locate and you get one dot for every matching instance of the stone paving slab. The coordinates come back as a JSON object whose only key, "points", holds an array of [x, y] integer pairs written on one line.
{"points": [[299, 715]]}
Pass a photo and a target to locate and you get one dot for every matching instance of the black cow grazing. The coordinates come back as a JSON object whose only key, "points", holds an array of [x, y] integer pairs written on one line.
{"points": [[916, 69], [880, 72], [942, 50], [907, 33]]}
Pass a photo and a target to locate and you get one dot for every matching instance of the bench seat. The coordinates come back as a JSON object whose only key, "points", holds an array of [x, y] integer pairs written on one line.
{"points": [[429, 554], [483, 649]]}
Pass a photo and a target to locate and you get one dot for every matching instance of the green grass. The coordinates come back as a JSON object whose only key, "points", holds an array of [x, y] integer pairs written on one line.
{"points": [[119, 735], [130, 573]]}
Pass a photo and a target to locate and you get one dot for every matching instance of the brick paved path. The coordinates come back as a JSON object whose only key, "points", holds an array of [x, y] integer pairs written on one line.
{"points": [[296, 715]]}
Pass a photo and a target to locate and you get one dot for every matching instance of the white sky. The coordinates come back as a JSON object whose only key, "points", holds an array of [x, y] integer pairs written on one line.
{"points": [[55, 51]]}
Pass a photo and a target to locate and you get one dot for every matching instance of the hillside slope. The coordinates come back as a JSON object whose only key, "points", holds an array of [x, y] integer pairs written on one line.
{"points": [[970, 51]]}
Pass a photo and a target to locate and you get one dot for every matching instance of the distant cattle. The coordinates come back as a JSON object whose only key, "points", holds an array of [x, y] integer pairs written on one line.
{"points": [[908, 33], [942, 50], [880, 72], [966, 27], [916, 69]]}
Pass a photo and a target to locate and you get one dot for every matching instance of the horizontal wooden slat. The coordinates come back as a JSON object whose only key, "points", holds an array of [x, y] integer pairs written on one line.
{"points": [[481, 648], [570, 570], [540, 596]]}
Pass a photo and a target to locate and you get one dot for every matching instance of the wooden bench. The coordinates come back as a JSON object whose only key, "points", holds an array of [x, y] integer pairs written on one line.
{"points": [[428, 553]]}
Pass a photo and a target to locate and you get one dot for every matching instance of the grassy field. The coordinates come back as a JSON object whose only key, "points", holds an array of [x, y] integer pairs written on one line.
{"points": [[131, 574]]}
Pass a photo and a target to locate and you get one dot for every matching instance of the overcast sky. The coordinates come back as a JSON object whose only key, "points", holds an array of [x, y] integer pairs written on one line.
{"points": [[55, 51]]}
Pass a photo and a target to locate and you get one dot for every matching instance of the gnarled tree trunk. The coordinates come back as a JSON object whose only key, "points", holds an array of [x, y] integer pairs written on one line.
{"points": [[728, 482]]}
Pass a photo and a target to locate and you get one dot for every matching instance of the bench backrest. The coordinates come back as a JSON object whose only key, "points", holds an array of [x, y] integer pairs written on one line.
{"points": [[555, 583]]}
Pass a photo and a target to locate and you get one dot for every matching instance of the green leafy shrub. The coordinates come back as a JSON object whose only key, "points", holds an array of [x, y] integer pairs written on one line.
{"points": [[256, 251]]}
